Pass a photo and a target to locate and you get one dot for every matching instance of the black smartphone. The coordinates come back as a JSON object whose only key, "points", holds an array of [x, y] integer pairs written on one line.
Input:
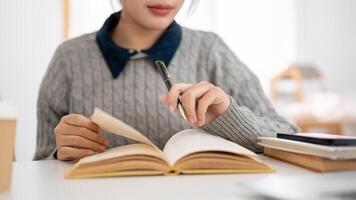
{"points": [[321, 139]]}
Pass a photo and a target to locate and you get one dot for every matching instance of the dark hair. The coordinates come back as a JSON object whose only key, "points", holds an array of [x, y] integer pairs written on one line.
{"points": [[192, 7]]}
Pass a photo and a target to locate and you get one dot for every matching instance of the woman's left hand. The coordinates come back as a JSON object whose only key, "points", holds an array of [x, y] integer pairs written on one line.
{"points": [[202, 102]]}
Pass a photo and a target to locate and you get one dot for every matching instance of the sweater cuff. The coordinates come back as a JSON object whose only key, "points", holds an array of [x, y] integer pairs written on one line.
{"points": [[223, 120], [236, 124]]}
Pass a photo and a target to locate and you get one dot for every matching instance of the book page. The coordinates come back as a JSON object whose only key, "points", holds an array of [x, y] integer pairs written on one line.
{"points": [[111, 124], [125, 150], [197, 140]]}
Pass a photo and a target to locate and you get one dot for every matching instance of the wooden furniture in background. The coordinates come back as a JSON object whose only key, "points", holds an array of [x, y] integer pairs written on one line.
{"points": [[331, 127], [7, 146], [66, 11], [297, 74]]}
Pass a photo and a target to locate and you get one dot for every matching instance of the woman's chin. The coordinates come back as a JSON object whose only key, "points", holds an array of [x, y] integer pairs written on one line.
{"points": [[160, 24]]}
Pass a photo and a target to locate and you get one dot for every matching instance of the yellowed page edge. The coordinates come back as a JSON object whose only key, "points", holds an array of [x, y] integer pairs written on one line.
{"points": [[115, 174], [113, 125], [122, 151], [226, 171], [157, 173]]}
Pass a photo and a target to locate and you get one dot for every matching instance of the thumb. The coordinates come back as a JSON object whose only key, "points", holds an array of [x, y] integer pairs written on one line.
{"points": [[164, 99]]}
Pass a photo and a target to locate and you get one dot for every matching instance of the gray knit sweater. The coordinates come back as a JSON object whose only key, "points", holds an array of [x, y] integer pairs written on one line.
{"points": [[78, 80]]}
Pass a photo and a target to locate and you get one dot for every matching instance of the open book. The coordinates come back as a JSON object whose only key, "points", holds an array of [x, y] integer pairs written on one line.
{"points": [[191, 151]]}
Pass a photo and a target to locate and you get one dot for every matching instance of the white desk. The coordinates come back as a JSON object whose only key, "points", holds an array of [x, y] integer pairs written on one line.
{"points": [[45, 180]]}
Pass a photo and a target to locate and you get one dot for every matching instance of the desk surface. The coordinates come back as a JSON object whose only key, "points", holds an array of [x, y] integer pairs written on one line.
{"points": [[45, 180]]}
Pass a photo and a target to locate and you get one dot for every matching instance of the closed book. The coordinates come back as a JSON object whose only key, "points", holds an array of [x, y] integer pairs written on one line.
{"points": [[315, 163], [330, 152]]}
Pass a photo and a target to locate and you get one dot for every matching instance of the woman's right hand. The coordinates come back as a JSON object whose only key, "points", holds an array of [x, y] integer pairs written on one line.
{"points": [[77, 137]]}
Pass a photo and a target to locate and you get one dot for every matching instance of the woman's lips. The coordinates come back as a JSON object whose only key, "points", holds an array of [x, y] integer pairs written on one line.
{"points": [[160, 10]]}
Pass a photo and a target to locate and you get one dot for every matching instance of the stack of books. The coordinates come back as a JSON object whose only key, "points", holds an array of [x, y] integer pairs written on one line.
{"points": [[316, 151]]}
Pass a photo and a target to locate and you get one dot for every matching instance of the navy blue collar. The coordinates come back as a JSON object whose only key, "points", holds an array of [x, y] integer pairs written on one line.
{"points": [[116, 57]]}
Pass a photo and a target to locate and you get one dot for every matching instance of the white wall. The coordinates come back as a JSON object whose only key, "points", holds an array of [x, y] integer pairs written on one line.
{"points": [[327, 37], [87, 15], [260, 32], [30, 31]]}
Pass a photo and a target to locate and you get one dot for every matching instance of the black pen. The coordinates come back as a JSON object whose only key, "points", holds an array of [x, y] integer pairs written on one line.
{"points": [[167, 80]]}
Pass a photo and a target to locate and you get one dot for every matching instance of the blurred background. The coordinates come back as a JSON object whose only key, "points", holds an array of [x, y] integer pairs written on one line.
{"points": [[303, 51]]}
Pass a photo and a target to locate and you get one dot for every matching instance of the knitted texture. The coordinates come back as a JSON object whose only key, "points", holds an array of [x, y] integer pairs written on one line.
{"points": [[78, 80]]}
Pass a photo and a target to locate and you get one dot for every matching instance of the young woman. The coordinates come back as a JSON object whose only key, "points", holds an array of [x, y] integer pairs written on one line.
{"points": [[113, 69]]}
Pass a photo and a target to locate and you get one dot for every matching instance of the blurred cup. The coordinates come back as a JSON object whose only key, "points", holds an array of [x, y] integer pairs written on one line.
{"points": [[8, 118]]}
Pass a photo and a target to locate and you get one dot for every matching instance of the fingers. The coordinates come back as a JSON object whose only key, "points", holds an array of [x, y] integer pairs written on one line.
{"points": [[80, 121], [164, 99], [203, 104], [77, 133], [71, 153], [83, 132], [79, 142], [190, 98], [174, 94]]}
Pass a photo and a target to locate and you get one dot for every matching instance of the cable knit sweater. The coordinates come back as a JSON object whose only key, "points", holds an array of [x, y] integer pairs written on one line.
{"points": [[78, 80]]}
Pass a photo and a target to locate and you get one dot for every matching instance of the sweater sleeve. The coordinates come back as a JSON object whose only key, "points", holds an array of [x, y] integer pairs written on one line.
{"points": [[250, 114], [52, 104]]}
